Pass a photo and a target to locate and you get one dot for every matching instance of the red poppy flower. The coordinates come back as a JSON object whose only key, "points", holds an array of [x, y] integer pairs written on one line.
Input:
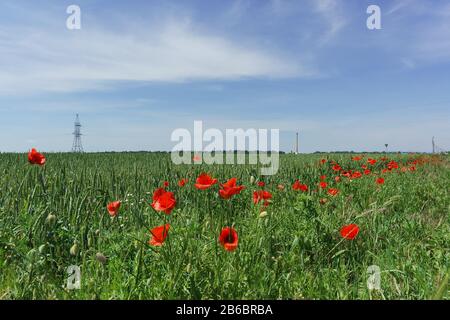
{"points": [[337, 167], [333, 191], [204, 181], [182, 182], [350, 231], [367, 172], [261, 195], [166, 184], [299, 186], [323, 184], [392, 165], [371, 161], [163, 201], [347, 174], [323, 178], [337, 178], [35, 157], [229, 189], [357, 158], [380, 180], [113, 208], [412, 168], [323, 161], [229, 239], [261, 183], [363, 166], [159, 235], [356, 175]]}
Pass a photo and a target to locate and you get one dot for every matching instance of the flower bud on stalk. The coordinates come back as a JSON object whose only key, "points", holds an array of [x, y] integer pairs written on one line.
{"points": [[100, 258], [74, 249], [51, 219]]}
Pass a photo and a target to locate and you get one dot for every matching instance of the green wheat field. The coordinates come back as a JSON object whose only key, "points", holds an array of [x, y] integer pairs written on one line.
{"points": [[55, 216]]}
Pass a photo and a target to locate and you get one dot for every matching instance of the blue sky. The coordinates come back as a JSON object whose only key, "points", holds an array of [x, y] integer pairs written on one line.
{"points": [[137, 70]]}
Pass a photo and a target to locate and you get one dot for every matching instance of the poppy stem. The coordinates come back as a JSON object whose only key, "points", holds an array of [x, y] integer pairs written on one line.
{"points": [[166, 235], [229, 214]]}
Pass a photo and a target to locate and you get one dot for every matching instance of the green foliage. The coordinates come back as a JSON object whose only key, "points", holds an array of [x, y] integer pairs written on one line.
{"points": [[293, 252]]}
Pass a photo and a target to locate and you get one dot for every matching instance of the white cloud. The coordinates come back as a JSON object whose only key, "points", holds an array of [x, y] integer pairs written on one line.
{"points": [[91, 58]]}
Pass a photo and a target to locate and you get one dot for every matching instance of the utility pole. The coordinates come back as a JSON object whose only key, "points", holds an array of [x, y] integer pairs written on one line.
{"points": [[433, 145], [77, 146]]}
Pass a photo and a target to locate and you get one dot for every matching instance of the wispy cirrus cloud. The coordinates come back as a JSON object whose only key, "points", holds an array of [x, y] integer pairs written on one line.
{"points": [[418, 32], [398, 6], [433, 41], [330, 11]]}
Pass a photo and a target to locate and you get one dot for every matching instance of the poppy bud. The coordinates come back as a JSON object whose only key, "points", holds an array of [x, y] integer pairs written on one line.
{"points": [[97, 232], [252, 179], [100, 257], [51, 219], [74, 249]]}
